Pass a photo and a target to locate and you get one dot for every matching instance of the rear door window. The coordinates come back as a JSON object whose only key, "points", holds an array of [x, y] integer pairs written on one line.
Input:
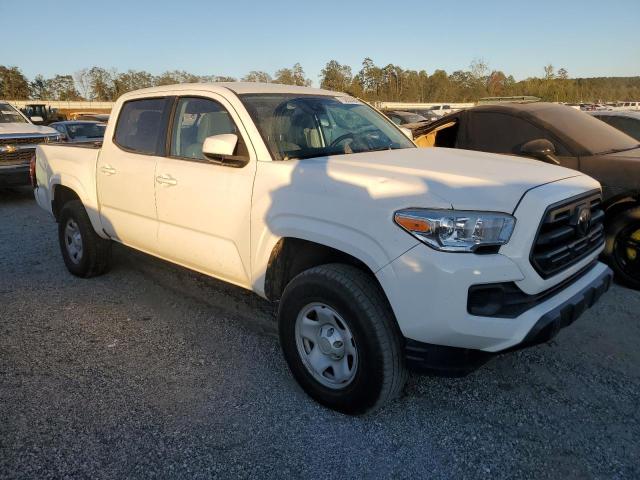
{"points": [[630, 126], [141, 125]]}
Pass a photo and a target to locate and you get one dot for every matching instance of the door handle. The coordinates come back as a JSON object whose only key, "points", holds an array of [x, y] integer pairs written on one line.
{"points": [[166, 180], [108, 170]]}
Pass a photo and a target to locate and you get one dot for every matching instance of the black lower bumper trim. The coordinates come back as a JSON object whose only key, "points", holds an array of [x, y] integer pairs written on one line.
{"points": [[567, 312], [453, 361]]}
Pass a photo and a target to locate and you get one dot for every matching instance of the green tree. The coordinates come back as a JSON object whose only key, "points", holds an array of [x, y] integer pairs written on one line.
{"points": [[257, 76], [40, 88], [335, 76], [176, 76], [292, 76], [13, 84], [62, 87], [131, 80]]}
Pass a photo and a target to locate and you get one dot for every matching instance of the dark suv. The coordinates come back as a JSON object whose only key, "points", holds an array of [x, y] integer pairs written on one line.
{"points": [[565, 136]]}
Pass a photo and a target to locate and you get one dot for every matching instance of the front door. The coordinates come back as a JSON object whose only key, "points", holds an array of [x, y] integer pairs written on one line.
{"points": [[498, 132], [203, 206]]}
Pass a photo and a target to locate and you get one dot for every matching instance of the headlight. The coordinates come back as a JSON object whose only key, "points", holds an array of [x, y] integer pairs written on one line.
{"points": [[456, 230]]}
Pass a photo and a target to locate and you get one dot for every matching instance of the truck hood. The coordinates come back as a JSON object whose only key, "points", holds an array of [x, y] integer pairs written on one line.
{"points": [[430, 177], [21, 129]]}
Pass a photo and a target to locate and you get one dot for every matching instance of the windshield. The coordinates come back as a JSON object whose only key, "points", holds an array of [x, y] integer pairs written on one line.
{"points": [[296, 127], [86, 130], [8, 114], [595, 136]]}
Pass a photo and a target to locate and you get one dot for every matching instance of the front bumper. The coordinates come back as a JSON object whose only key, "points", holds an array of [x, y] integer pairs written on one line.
{"points": [[428, 293], [14, 175], [452, 361]]}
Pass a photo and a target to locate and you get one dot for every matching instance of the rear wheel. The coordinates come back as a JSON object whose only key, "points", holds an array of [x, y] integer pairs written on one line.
{"points": [[84, 252], [623, 246], [340, 339]]}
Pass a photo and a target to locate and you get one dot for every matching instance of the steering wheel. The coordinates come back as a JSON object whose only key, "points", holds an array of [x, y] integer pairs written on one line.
{"points": [[341, 138]]}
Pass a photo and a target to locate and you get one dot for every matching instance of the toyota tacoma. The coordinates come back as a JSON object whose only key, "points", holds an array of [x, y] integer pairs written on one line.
{"points": [[383, 257]]}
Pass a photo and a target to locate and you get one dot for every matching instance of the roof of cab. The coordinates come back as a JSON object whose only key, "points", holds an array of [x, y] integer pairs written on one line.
{"points": [[236, 87]]}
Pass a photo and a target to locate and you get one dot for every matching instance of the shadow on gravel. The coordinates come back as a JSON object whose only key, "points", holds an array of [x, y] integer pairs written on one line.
{"points": [[253, 311], [16, 194]]}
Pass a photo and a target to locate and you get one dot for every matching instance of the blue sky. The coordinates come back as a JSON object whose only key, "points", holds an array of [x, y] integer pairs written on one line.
{"points": [[588, 38]]}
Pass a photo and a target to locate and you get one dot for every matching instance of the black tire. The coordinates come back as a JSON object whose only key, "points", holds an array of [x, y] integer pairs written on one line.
{"points": [[95, 258], [381, 372], [621, 240]]}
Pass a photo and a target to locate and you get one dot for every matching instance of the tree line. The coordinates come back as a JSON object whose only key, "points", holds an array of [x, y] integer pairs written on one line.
{"points": [[371, 82]]}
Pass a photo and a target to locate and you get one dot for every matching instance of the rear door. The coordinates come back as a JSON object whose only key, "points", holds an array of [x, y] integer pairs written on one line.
{"points": [[204, 206], [126, 172]]}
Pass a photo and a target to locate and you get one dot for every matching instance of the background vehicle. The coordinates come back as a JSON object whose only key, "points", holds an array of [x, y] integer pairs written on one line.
{"points": [[79, 131], [441, 110], [401, 118], [95, 117], [428, 114], [382, 256], [40, 114], [630, 106], [18, 140], [625, 121], [560, 134]]}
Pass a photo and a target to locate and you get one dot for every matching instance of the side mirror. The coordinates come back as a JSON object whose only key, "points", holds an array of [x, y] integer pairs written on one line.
{"points": [[407, 132], [36, 119], [220, 148], [541, 149]]}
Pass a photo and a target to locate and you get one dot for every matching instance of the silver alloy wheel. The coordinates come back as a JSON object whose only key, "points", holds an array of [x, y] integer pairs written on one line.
{"points": [[73, 241], [326, 346]]}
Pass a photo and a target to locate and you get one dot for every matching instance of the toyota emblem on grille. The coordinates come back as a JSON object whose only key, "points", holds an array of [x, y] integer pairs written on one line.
{"points": [[583, 221]]}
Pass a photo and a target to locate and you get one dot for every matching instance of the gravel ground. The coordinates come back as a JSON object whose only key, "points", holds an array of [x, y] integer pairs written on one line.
{"points": [[154, 371]]}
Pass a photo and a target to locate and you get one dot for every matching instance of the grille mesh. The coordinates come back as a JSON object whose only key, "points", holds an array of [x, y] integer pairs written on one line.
{"points": [[563, 239], [16, 158]]}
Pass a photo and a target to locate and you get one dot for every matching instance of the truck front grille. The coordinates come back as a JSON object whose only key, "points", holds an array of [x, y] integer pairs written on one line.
{"points": [[16, 158], [27, 139], [570, 231]]}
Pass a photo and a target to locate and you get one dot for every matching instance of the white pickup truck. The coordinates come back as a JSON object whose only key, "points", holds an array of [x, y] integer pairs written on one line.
{"points": [[383, 257]]}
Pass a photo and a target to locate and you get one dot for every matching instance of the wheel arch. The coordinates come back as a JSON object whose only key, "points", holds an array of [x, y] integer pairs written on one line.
{"points": [[61, 193], [291, 256], [616, 205]]}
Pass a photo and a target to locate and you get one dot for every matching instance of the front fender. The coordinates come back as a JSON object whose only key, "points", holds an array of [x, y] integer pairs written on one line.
{"points": [[344, 238]]}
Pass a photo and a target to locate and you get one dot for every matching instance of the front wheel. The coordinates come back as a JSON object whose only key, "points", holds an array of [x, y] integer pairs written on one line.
{"points": [[84, 252], [622, 248], [340, 339]]}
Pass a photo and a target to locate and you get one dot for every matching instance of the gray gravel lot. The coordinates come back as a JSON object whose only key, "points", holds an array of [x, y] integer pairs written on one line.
{"points": [[154, 371]]}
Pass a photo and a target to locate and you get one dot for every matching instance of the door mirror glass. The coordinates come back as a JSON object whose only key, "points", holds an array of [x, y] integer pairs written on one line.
{"points": [[216, 147], [542, 149]]}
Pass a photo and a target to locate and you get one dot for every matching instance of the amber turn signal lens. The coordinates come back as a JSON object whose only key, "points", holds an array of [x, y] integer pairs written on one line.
{"points": [[413, 224]]}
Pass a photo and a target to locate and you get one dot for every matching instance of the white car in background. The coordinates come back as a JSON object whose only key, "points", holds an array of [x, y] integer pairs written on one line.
{"points": [[442, 109]]}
